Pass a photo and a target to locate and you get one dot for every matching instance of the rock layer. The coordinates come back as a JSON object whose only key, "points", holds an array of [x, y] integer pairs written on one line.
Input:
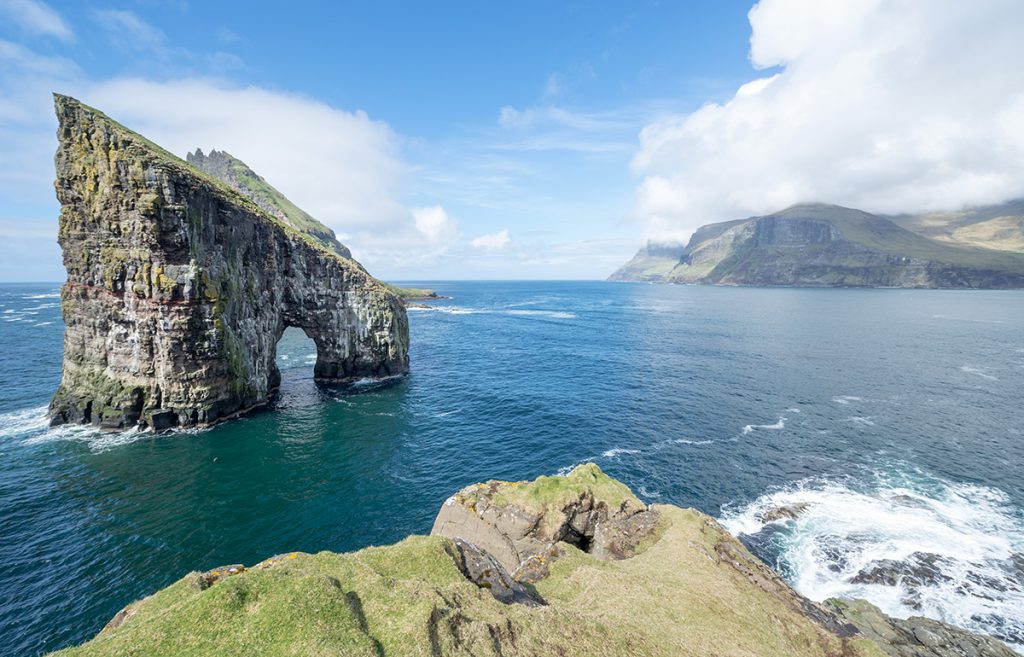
{"points": [[522, 523], [817, 245], [179, 288]]}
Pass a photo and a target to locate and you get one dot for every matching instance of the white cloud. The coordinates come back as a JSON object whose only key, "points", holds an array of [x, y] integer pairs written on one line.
{"points": [[886, 106], [435, 226], [129, 32], [494, 242], [342, 167], [37, 17]]}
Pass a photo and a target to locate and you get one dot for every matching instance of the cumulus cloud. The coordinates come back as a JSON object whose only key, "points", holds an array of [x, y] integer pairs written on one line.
{"points": [[435, 226], [494, 242], [37, 18], [886, 106]]}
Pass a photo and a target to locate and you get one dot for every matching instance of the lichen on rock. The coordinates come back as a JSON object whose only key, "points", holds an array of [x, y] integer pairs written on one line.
{"points": [[179, 289]]}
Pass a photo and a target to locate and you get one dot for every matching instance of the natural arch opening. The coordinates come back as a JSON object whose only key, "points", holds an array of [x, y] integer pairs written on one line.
{"points": [[295, 359]]}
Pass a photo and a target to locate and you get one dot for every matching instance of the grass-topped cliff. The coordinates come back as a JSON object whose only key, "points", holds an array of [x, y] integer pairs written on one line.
{"points": [[237, 174], [691, 590], [826, 246], [179, 287]]}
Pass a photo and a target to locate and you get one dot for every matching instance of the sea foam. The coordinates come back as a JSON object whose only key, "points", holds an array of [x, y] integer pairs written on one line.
{"points": [[843, 529]]}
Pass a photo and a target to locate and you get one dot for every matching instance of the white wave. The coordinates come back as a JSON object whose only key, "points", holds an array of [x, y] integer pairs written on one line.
{"points": [[684, 441], [980, 371], [973, 534], [450, 310], [648, 494], [32, 426], [864, 421], [454, 310], [42, 323], [557, 314], [792, 410], [447, 413], [613, 453], [25, 421], [50, 295], [781, 424], [94, 438], [845, 399], [562, 472]]}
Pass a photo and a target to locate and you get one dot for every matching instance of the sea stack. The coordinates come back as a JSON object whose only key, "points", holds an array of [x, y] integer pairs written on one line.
{"points": [[179, 288]]}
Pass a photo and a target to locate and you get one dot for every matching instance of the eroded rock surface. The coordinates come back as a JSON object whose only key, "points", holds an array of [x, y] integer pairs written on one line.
{"points": [[522, 524], [179, 288], [915, 636]]}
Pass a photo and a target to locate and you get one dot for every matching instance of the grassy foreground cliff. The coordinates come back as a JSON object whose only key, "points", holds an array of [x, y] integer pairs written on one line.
{"points": [[687, 589]]}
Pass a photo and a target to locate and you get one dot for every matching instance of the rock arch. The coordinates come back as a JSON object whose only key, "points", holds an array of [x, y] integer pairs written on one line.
{"points": [[179, 287]]}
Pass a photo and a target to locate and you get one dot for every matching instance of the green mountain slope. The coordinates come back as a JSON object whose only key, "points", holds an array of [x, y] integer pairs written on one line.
{"points": [[818, 245], [235, 173], [999, 227]]}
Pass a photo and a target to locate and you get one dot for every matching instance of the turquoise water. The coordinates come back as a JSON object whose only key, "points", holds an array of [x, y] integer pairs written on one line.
{"points": [[896, 415]]}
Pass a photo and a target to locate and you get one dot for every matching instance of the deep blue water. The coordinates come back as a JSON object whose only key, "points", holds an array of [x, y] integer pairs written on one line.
{"points": [[896, 415]]}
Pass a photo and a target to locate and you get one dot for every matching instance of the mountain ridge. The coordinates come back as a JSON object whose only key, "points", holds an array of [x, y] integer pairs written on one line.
{"points": [[824, 245]]}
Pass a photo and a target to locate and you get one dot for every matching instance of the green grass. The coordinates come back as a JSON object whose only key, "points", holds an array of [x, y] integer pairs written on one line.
{"points": [[676, 599], [882, 235], [237, 174], [553, 493], [412, 293]]}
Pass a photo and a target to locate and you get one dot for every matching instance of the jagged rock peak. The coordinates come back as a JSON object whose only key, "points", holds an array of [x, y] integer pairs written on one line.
{"points": [[239, 176], [179, 288]]}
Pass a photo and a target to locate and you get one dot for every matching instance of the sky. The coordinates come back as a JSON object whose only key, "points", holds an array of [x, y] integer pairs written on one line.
{"points": [[528, 140]]}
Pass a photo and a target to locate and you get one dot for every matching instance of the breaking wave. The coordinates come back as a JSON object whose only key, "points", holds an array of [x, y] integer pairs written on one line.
{"points": [[781, 424], [909, 543]]}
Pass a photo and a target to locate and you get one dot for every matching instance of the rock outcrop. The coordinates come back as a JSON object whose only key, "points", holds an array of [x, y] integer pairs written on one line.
{"points": [[522, 523], [179, 288], [915, 636], [674, 585], [816, 245]]}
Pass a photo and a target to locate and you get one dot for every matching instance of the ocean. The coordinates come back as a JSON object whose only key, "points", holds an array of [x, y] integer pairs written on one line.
{"points": [[889, 423]]}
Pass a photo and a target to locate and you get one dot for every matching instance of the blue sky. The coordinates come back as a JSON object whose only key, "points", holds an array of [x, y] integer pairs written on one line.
{"points": [[527, 139]]}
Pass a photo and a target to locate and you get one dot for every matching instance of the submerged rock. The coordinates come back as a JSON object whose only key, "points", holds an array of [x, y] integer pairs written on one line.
{"points": [[919, 569], [785, 512], [179, 288]]}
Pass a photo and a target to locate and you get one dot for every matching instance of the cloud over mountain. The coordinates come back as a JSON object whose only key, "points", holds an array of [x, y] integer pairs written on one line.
{"points": [[887, 106]]}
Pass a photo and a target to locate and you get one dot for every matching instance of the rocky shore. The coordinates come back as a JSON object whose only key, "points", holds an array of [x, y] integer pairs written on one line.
{"points": [[573, 565]]}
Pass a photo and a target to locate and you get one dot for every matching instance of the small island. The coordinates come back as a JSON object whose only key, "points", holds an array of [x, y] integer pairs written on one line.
{"points": [[181, 279]]}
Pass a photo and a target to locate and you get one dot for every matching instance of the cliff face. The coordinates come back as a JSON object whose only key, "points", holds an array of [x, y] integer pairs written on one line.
{"points": [[179, 288], [651, 263], [236, 174], [596, 573], [829, 246]]}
